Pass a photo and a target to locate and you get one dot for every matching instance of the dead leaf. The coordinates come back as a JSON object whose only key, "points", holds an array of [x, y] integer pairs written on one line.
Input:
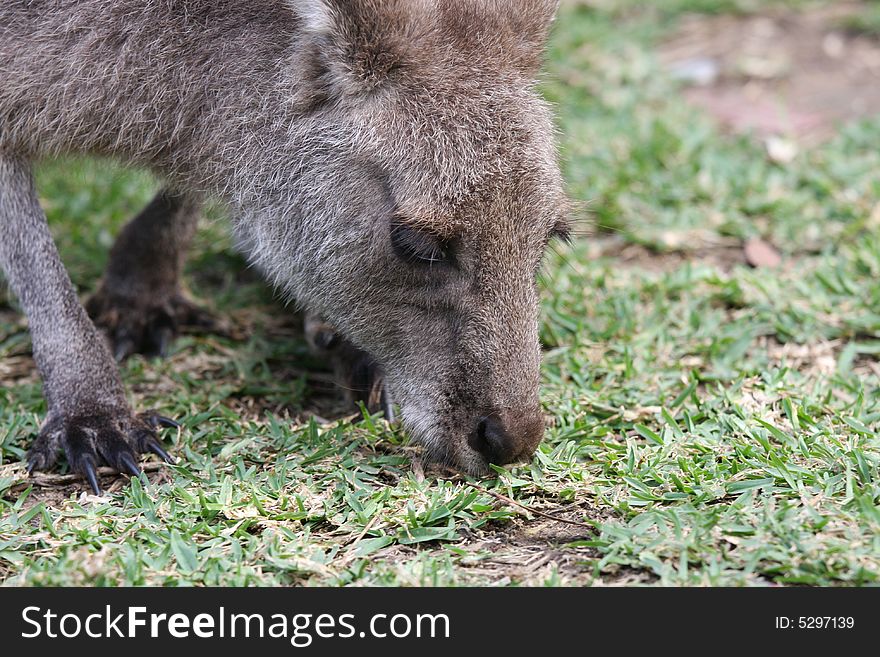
{"points": [[761, 254]]}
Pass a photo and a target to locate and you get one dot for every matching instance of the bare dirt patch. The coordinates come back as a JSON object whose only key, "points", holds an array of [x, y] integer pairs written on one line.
{"points": [[724, 254], [796, 74], [529, 550], [533, 551], [817, 359]]}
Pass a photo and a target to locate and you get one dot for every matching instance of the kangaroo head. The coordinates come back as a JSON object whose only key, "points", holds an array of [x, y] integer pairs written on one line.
{"points": [[427, 191]]}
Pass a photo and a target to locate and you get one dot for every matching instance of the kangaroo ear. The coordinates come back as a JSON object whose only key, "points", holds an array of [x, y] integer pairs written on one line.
{"points": [[356, 46], [360, 43], [513, 33]]}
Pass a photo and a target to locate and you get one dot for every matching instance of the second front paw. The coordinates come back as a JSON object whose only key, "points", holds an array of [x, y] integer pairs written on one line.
{"points": [[356, 372]]}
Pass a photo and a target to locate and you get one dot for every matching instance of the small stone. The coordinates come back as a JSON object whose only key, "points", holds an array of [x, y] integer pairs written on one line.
{"points": [[767, 67], [781, 150], [699, 71], [833, 45]]}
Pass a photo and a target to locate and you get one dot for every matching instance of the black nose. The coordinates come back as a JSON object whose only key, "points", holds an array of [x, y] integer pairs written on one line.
{"points": [[495, 442], [507, 435]]}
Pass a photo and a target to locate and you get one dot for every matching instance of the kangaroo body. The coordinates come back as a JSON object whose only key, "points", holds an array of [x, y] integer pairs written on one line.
{"points": [[386, 163]]}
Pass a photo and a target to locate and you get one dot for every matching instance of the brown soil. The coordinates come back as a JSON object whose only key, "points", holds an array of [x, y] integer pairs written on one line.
{"points": [[724, 256], [531, 551], [794, 74]]}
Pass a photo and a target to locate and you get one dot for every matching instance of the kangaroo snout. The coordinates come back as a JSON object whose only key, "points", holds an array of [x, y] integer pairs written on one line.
{"points": [[508, 436]]}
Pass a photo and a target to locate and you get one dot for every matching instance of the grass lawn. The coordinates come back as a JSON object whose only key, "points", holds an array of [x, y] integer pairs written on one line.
{"points": [[711, 423]]}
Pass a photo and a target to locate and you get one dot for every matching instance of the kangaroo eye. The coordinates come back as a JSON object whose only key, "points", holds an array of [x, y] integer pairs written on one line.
{"points": [[417, 245]]}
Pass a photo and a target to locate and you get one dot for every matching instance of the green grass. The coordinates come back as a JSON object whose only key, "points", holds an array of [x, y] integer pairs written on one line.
{"points": [[712, 424], [865, 22]]}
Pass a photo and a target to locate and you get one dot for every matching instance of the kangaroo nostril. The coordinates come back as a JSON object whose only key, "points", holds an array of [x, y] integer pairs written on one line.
{"points": [[506, 435], [481, 431], [492, 440]]}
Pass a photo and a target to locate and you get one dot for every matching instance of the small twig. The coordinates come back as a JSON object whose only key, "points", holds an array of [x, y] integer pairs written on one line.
{"points": [[507, 500], [418, 469], [548, 516], [349, 554]]}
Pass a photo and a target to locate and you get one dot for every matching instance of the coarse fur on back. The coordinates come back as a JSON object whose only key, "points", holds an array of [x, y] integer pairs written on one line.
{"points": [[388, 165]]}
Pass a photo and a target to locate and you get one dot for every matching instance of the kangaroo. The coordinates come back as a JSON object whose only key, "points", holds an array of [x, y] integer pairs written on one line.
{"points": [[387, 164]]}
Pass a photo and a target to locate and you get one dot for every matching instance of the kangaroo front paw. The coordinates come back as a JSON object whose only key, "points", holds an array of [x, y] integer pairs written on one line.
{"points": [[147, 325], [116, 439], [356, 371]]}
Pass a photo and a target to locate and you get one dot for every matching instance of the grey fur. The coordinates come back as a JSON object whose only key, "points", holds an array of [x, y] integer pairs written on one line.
{"points": [[323, 124]]}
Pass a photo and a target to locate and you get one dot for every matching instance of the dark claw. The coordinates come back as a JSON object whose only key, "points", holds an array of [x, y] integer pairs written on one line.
{"points": [[163, 337], [156, 448], [31, 466], [388, 406], [124, 349], [167, 422], [326, 340], [129, 465], [92, 476]]}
